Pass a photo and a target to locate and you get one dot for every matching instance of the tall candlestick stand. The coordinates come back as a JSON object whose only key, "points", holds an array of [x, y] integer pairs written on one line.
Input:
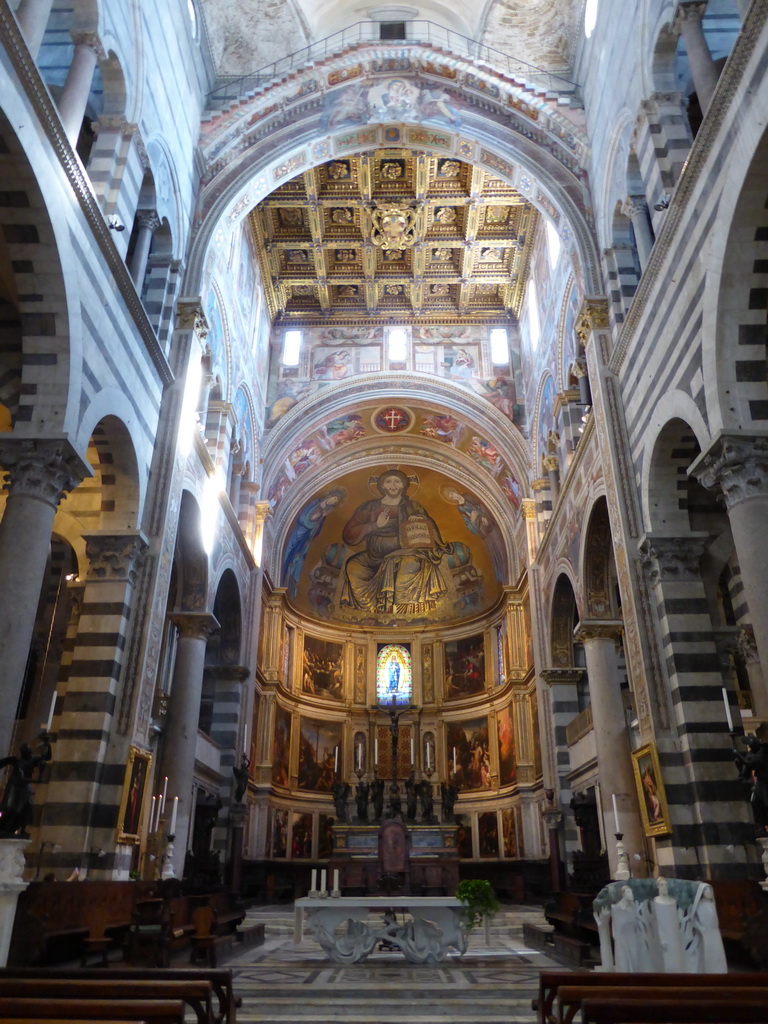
{"points": [[168, 871], [622, 866]]}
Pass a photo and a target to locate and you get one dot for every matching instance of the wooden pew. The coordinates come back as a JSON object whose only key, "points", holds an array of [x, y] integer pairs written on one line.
{"points": [[571, 997], [220, 979], [550, 982], [195, 993], [151, 1011], [682, 1011]]}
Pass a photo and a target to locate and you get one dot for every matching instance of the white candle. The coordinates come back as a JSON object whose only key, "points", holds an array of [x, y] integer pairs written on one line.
{"points": [[245, 739], [159, 811], [411, 748], [50, 713], [322, 881], [173, 816], [727, 710], [376, 750], [313, 887], [335, 879], [152, 814], [336, 759], [359, 755], [165, 792], [615, 814], [428, 762], [454, 758]]}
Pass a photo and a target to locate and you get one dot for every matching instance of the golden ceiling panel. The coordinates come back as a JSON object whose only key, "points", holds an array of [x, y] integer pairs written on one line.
{"points": [[394, 233]]}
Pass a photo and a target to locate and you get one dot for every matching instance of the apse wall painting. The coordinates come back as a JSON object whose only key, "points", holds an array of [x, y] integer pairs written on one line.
{"points": [[464, 835], [507, 755], [468, 753], [508, 832], [323, 668], [464, 667], [280, 833], [281, 748], [325, 836], [393, 546], [488, 834], [301, 836], [320, 755]]}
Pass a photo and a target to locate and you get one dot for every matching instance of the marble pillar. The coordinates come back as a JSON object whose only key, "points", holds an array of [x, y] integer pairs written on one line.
{"points": [[77, 86], [737, 468], [40, 473], [148, 222], [32, 16], [688, 21], [611, 737], [636, 208], [180, 742]]}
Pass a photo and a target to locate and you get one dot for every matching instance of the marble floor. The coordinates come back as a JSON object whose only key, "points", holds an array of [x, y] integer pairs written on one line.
{"points": [[281, 982]]}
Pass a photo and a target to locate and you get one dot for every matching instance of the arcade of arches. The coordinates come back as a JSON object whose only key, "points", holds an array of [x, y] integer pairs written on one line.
{"points": [[399, 410]]}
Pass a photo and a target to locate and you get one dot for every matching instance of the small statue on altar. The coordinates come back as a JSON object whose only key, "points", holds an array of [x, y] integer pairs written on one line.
{"points": [[427, 804], [395, 804], [340, 793], [361, 795], [410, 797], [449, 793], [377, 797], [16, 805], [753, 771], [241, 777]]}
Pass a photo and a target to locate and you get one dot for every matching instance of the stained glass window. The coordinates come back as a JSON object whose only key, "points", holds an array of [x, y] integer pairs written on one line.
{"points": [[394, 675]]}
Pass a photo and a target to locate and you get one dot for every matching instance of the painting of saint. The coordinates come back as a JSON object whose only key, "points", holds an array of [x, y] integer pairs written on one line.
{"points": [[464, 836], [399, 569], [345, 429], [468, 744], [323, 668], [281, 748], [319, 754], [508, 832], [464, 667], [309, 523], [488, 832], [301, 836], [441, 427], [325, 836], [507, 758], [280, 834]]}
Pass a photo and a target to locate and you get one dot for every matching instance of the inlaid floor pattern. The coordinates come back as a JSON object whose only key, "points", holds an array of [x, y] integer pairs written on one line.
{"points": [[283, 983]]}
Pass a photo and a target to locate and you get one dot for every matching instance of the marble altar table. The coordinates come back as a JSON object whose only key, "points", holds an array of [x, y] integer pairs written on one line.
{"points": [[436, 925]]}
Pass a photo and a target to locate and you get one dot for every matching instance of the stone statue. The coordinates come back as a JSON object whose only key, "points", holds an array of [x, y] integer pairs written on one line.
{"points": [[395, 805], [711, 958], [631, 947], [449, 793], [427, 805], [241, 778], [361, 795], [340, 791], [16, 805], [753, 771], [670, 936], [377, 797], [410, 797]]}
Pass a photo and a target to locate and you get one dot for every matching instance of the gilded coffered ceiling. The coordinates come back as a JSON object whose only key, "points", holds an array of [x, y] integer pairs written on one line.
{"points": [[394, 234]]}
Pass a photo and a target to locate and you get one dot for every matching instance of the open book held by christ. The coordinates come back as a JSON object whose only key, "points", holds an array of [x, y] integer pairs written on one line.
{"points": [[417, 532]]}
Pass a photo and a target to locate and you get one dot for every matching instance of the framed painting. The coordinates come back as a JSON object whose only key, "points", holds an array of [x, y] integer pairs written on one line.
{"points": [[134, 794], [650, 791]]}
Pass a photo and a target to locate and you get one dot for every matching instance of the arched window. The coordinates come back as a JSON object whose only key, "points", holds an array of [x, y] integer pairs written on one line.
{"points": [[394, 675]]}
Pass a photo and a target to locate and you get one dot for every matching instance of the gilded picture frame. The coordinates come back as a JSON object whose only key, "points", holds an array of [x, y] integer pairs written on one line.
{"points": [[135, 785], [650, 791]]}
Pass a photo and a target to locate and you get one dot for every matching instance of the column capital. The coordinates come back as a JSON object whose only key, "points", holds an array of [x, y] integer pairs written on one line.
{"points": [[528, 508], [672, 558], [634, 205], [736, 466], [195, 625], [551, 463], [688, 10], [562, 676], [148, 219], [45, 470], [91, 41], [598, 629], [593, 316], [262, 510], [115, 556], [746, 646], [190, 317], [229, 673]]}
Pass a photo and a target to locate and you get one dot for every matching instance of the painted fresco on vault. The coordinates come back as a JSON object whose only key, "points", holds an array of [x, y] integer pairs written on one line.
{"points": [[281, 748], [464, 667], [507, 755], [319, 754], [468, 751], [393, 546], [323, 668], [393, 99]]}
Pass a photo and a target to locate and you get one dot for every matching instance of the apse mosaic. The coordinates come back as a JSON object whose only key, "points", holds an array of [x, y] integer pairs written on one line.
{"points": [[320, 754], [395, 545], [464, 667], [468, 749], [507, 755]]}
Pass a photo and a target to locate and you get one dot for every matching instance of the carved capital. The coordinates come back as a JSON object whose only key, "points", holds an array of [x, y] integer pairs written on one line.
{"points": [[46, 470], [634, 206], [262, 510], [736, 466], [688, 11], [746, 646], [589, 630], [551, 463], [668, 559], [562, 676], [195, 625], [91, 41], [115, 556], [593, 316], [190, 317], [148, 219]]}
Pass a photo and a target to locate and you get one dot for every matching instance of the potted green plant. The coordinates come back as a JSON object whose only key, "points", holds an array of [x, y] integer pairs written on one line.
{"points": [[479, 900]]}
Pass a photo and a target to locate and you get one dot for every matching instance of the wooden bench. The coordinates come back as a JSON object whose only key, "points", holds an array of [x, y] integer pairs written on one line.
{"points": [[195, 993], [151, 1011], [682, 1011], [571, 997], [220, 980], [551, 981]]}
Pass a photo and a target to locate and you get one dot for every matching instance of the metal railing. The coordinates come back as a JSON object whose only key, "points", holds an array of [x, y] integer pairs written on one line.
{"points": [[367, 33]]}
